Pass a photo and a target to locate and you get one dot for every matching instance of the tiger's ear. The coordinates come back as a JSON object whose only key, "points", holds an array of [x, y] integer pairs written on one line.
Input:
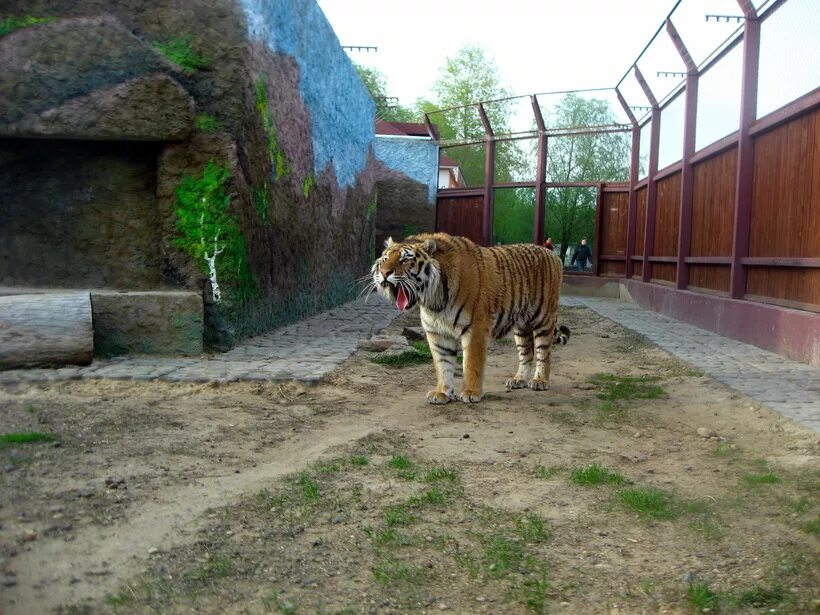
{"points": [[429, 246], [389, 242]]}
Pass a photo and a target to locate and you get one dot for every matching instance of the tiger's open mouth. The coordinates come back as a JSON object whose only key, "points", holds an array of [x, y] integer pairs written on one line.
{"points": [[401, 297]]}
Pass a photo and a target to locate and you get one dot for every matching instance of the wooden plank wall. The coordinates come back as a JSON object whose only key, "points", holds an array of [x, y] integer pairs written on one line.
{"points": [[640, 232], [667, 222], [786, 212], [612, 234], [461, 215], [713, 210]]}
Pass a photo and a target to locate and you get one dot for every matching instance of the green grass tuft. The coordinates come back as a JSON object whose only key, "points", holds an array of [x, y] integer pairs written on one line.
{"points": [[359, 460], [595, 474], [409, 357], [616, 388], [10, 24], [179, 51], [440, 474], [767, 478], [28, 437], [648, 502], [702, 598], [544, 472], [207, 123]]}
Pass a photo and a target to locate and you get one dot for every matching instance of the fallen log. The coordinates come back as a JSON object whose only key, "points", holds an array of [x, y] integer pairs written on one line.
{"points": [[44, 330]]}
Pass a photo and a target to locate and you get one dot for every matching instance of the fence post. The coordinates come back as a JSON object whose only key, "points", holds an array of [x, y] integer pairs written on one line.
{"points": [[745, 150], [651, 183], [687, 179], [634, 164], [599, 242], [489, 177], [540, 174]]}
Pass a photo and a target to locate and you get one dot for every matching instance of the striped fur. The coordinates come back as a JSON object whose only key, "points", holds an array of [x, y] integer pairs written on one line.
{"points": [[468, 294]]}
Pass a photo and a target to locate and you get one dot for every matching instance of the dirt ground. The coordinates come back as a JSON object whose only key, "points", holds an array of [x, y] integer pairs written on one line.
{"points": [[355, 496]]}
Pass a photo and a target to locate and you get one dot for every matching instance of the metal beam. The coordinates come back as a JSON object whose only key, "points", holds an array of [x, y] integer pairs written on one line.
{"points": [[687, 179], [634, 164], [745, 151], [540, 174], [652, 184]]}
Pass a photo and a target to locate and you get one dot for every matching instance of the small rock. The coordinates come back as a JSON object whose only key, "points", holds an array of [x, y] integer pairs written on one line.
{"points": [[585, 386], [153, 551], [9, 581], [704, 432], [466, 436], [414, 334], [28, 535], [115, 482]]}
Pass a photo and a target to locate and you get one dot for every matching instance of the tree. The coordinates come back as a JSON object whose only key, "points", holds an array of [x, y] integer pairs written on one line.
{"points": [[603, 157], [466, 79], [376, 83]]}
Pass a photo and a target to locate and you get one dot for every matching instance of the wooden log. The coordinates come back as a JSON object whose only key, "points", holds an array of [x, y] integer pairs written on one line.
{"points": [[39, 330]]}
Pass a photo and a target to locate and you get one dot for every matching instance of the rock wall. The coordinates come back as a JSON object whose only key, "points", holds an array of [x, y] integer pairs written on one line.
{"points": [[260, 91], [407, 181]]}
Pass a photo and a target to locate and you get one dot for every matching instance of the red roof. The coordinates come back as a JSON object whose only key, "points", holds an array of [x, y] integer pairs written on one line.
{"points": [[407, 129]]}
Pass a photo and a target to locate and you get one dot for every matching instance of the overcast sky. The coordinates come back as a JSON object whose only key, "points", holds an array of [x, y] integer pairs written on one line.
{"points": [[538, 45]]}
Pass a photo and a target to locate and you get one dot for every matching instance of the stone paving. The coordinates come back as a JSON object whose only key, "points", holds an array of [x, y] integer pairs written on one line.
{"points": [[788, 387], [304, 351], [307, 350]]}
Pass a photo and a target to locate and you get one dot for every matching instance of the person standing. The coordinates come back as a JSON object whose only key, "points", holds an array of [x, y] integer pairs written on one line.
{"points": [[582, 255], [548, 244]]}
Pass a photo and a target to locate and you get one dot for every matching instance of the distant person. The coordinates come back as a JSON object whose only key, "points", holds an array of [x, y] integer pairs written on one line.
{"points": [[582, 255], [548, 244]]}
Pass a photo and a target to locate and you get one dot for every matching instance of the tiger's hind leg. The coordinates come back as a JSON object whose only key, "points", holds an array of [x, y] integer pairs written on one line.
{"points": [[524, 343], [543, 339]]}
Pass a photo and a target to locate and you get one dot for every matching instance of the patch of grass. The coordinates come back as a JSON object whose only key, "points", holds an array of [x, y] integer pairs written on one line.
{"points": [[754, 480], [404, 359], [207, 123], [389, 537], [406, 468], [10, 24], [391, 572], [433, 497], [179, 51], [215, 567], [310, 488], [502, 555], [544, 472], [760, 596], [595, 474], [725, 450], [811, 527], [397, 515], [702, 598], [272, 601], [28, 437], [359, 460], [531, 528], [616, 388], [440, 474], [648, 502]]}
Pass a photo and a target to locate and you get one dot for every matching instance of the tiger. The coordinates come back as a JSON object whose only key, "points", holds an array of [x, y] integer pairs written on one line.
{"points": [[468, 293]]}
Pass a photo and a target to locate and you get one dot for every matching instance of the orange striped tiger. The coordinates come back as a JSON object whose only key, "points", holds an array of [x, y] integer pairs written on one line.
{"points": [[467, 294]]}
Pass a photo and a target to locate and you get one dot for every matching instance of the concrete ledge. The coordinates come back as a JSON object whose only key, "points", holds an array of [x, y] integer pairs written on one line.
{"points": [[589, 286], [151, 322], [791, 333]]}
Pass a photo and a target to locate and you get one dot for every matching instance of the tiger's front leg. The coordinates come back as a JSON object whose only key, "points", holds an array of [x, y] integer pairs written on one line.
{"points": [[475, 358], [444, 350]]}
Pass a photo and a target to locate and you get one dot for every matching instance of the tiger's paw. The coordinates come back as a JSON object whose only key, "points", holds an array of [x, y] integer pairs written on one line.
{"points": [[470, 397], [537, 384], [437, 397], [514, 383]]}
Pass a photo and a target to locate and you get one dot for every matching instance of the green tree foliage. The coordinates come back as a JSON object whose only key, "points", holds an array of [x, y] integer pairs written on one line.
{"points": [[376, 84], [466, 79], [606, 157]]}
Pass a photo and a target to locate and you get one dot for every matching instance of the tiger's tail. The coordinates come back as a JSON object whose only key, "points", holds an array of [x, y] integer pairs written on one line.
{"points": [[562, 334]]}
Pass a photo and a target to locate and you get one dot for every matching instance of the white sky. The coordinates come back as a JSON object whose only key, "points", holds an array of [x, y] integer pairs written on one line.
{"points": [[538, 45], [553, 45]]}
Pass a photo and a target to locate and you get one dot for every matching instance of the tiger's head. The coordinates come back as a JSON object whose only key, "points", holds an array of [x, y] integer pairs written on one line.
{"points": [[406, 272]]}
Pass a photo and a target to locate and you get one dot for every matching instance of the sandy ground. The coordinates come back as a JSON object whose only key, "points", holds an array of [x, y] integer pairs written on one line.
{"points": [[355, 496]]}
